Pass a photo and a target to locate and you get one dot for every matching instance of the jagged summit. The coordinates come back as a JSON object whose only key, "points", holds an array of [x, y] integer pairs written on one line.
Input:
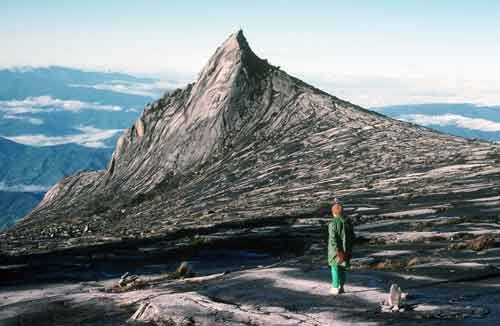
{"points": [[236, 43], [232, 58], [240, 38], [191, 125], [247, 141]]}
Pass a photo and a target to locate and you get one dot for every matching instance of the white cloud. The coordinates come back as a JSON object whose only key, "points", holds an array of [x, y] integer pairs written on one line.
{"points": [[142, 89], [34, 121], [452, 119], [21, 110], [23, 188], [376, 91], [89, 136], [46, 103]]}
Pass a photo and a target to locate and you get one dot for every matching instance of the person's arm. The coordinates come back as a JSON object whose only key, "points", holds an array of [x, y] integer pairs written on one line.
{"points": [[350, 238], [342, 237], [332, 238]]}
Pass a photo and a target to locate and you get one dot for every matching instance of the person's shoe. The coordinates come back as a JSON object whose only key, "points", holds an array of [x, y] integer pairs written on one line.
{"points": [[335, 291], [341, 290]]}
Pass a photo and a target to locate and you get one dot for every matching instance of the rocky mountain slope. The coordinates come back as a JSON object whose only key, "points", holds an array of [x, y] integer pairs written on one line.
{"points": [[248, 143], [45, 113]]}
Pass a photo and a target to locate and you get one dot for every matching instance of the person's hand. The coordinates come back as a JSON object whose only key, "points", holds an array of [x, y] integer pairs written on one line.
{"points": [[340, 256]]}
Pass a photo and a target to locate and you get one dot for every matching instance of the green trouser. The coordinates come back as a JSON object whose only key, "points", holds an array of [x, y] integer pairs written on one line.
{"points": [[338, 276]]}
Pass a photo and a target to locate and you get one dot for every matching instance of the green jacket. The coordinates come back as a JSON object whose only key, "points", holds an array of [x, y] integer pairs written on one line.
{"points": [[340, 237]]}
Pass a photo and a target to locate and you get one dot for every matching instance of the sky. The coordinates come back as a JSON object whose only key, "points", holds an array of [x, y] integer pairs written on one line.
{"points": [[372, 53]]}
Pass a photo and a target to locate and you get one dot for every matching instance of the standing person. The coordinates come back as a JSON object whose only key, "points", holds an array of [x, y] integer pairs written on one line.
{"points": [[340, 238]]}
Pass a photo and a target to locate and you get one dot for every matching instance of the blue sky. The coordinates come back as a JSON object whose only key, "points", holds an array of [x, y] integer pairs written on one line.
{"points": [[370, 52]]}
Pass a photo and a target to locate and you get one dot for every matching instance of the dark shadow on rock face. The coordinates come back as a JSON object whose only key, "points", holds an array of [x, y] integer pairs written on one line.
{"points": [[97, 264], [58, 312]]}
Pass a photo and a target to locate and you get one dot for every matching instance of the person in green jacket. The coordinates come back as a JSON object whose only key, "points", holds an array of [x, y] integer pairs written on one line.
{"points": [[340, 238]]}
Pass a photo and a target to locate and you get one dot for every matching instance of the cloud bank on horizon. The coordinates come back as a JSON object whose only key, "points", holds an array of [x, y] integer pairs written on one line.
{"points": [[23, 188], [87, 136], [33, 121], [46, 104], [452, 120], [152, 90], [372, 92]]}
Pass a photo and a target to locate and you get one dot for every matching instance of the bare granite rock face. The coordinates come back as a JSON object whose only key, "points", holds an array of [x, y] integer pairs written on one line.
{"points": [[287, 294], [248, 142]]}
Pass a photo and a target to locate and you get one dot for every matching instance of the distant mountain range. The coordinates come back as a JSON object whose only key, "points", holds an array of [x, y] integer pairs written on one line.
{"points": [[29, 167], [56, 121], [59, 102], [14, 205], [73, 84], [465, 120], [27, 172]]}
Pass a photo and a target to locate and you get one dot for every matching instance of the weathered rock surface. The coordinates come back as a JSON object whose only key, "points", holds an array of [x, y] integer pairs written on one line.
{"points": [[247, 142], [445, 287], [291, 293]]}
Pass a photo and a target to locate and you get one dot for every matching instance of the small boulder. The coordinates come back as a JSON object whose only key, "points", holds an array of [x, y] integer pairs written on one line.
{"points": [[127, 279], [482, 242], [479, 243], [184, 270]]}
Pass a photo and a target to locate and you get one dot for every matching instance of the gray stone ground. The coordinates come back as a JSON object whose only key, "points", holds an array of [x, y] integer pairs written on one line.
{"points": [[445, 287]]}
